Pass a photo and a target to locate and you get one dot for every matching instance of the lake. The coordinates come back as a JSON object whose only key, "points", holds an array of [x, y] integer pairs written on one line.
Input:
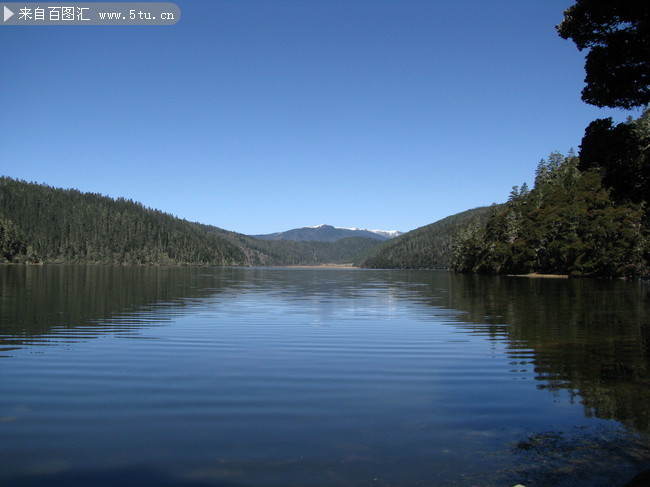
{"points": [[192, 376]]}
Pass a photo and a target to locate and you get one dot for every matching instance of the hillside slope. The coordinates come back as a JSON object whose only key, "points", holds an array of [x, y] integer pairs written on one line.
{"points": [[39, 223], [428, 247], [326, 233], [569, 223]]}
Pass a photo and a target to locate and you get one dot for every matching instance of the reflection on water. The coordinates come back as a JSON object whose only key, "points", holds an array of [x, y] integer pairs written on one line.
{"points": [[589, 337], [208, 376], [41, 305]]}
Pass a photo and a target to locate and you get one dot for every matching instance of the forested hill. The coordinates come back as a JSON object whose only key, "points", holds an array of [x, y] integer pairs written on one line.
{"points": [[428, 247], [569, 223], [587, 214], [39, 223], [326, 233], [286, 252]]}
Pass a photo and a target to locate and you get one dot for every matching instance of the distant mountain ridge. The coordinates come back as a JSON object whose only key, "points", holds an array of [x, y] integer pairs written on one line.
{"points": [[328, 233]]}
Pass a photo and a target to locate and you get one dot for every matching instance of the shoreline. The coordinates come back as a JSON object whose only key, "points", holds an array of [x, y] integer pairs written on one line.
{"points": [[318, 266], [536, 275]]}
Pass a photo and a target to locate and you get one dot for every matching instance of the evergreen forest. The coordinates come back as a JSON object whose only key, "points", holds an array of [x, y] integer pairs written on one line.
{"points": [[587, 214], [428, 247], [39, 224], [569, 223]]}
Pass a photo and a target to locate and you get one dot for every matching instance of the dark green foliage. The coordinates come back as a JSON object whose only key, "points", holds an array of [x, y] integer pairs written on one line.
{"points": [[281, 252], [428, 247], [622, 152], [290, 252], [617, 33], [11, 242], [321, 233], [567, 224], [602, 235], [43, 224], [70, 226]]}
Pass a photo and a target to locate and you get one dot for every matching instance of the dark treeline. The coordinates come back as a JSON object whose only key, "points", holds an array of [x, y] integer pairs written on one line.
{"points": [[289, 252], [39, 223], [43, 224], [586, 215], [568, 224], [428, 247]]}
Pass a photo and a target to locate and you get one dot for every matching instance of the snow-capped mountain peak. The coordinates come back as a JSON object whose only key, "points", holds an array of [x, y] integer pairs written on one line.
{"points": [[383, 233]]}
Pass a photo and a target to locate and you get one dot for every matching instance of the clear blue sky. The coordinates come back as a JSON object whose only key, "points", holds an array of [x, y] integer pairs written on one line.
{"points": [[265, 115]]}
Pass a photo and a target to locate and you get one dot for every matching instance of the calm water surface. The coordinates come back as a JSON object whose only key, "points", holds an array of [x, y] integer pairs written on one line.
{"points": [[296, 377]]}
